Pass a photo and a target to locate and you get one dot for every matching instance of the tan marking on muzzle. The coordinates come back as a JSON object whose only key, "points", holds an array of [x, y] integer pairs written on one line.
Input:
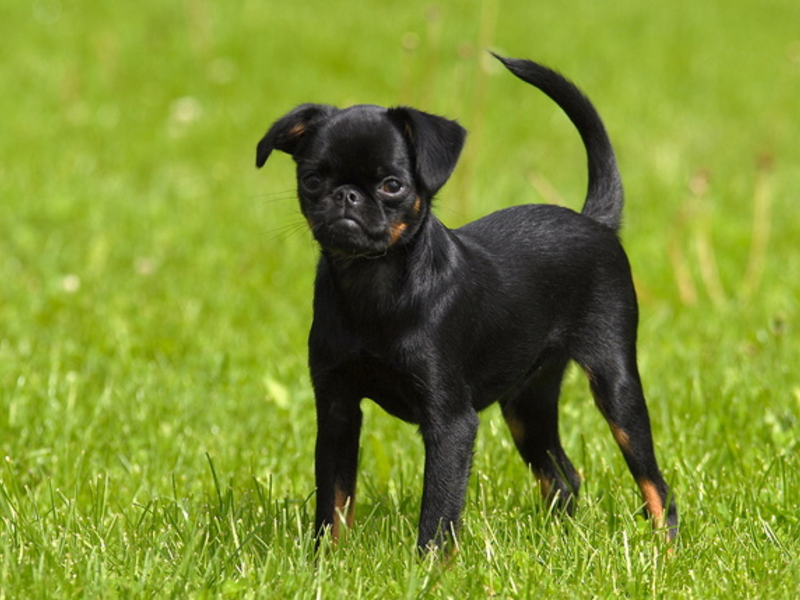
{"points": [[395, 231]]}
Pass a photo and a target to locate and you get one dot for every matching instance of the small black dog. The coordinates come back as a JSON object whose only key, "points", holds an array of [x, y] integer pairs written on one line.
{"points": [[435, 324]]}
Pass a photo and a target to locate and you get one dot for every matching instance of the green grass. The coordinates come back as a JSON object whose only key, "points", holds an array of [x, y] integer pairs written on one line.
{"points": [[156, 420]]}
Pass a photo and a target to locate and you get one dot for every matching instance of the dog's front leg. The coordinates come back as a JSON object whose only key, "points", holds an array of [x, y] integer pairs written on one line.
{"points": [[449, 442], [336, 461]]}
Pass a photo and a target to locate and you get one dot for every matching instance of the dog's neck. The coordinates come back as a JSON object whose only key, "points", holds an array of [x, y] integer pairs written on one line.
{"points": [[388, 287]]}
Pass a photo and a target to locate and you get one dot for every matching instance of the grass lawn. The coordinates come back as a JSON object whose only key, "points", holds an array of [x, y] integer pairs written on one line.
{"points": [[156, 419]]}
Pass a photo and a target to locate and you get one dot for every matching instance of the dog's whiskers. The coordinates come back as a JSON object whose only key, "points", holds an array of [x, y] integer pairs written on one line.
{"points": [[287, 231], [273, 197]]}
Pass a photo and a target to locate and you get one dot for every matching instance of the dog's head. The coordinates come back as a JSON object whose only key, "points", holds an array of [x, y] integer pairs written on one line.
{"points": [[366, 174]]}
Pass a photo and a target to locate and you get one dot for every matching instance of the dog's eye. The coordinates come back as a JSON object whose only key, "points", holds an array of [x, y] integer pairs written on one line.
{"points": [[312, 182], [392, 186]]}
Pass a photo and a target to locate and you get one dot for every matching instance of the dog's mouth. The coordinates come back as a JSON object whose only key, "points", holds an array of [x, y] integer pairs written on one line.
{"points": [[346, 225], [348, 236]]}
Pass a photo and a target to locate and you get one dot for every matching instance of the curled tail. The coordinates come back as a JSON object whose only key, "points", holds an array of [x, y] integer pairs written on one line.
{"points": [[604, 197]]}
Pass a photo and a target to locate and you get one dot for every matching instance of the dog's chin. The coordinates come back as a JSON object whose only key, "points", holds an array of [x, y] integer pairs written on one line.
{"points": [[347, 237]]}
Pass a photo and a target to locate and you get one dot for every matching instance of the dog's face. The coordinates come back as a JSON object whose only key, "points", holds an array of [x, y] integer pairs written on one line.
{"points": [[366, 174]]}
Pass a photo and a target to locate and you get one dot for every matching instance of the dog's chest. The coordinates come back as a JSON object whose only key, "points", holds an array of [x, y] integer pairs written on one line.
{"points": [[396, 391]]}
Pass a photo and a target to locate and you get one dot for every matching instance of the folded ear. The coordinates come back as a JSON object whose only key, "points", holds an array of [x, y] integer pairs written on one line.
{"points": [[436, 142], [287, 132]]}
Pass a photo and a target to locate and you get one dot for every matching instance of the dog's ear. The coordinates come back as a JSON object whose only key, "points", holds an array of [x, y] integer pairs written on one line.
{"points": [[286, 133], [436, 142]]}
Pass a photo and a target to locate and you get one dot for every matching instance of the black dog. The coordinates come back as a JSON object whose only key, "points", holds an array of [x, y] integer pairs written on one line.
{"points": [[435, 324]]}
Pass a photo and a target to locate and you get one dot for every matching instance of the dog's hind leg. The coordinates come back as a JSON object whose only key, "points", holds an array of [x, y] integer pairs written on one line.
{"points": [[618, 394], [532, 418]]}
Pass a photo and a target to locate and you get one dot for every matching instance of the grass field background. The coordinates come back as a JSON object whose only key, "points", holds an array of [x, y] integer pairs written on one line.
{"points": [[156, 420]]}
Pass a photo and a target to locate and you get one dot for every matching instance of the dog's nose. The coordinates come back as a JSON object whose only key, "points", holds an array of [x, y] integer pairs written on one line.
{"points": [[348, 196]]}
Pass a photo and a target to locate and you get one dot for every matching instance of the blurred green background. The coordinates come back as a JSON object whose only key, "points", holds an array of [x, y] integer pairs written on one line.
{"points": [[155, 287]]}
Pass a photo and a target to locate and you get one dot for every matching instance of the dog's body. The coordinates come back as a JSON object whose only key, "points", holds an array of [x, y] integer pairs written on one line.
{"points": [[435, 324]]}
